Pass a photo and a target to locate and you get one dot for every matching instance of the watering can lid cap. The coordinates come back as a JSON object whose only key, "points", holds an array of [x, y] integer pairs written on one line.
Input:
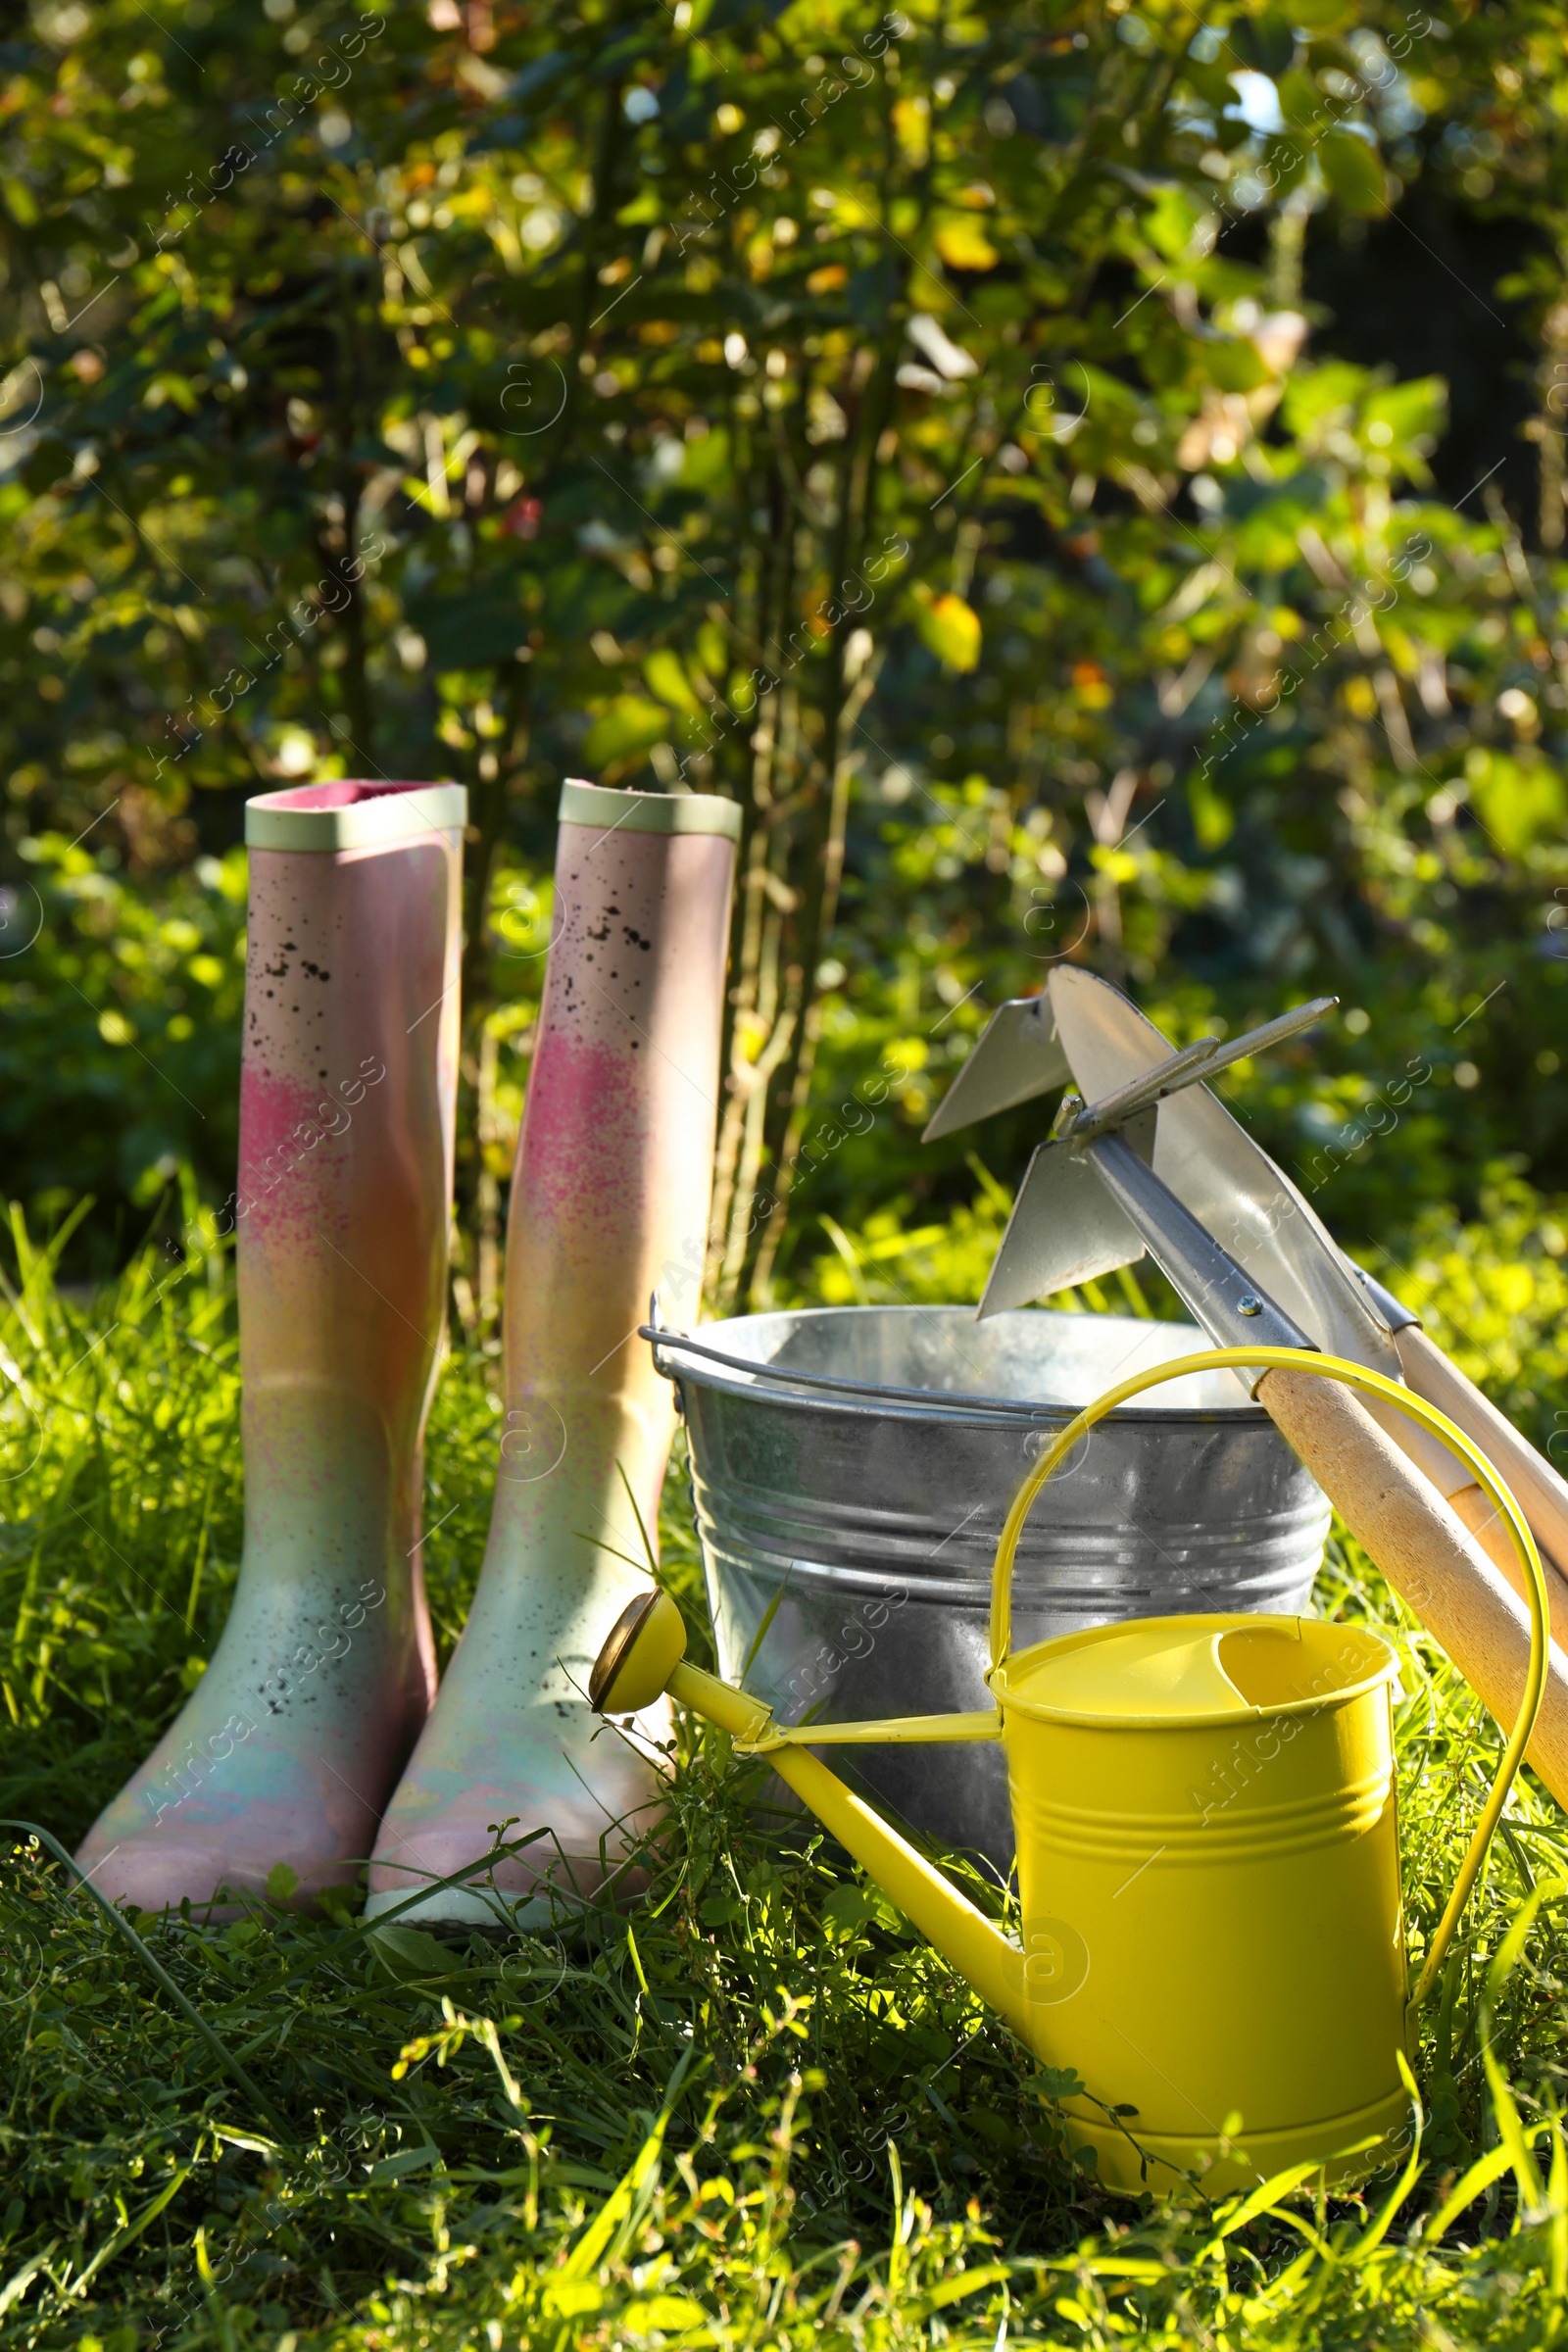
{"points": [[1195, 1669]]}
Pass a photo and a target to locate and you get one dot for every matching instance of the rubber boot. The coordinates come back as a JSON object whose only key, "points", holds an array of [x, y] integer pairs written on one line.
{"points": [[323, 1676], [609, 1203]]}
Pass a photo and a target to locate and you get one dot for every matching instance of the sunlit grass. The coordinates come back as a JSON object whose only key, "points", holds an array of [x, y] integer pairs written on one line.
{"points": [[752, 2110]]}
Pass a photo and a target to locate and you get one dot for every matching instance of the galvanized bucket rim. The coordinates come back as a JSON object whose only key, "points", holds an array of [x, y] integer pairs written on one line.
{"points": [[780, 1382]]}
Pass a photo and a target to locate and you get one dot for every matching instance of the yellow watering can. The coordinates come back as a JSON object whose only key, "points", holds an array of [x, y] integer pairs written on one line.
{"points": [[1208, 1866]]}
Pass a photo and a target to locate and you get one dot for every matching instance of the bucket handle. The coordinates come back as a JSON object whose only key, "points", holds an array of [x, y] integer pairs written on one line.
{"points": [[766, 1375], [1355, 1376], [958, 1404]]}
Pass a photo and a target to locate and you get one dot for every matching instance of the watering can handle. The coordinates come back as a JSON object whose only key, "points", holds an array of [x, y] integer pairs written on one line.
{"points": [[1328, 1367]]}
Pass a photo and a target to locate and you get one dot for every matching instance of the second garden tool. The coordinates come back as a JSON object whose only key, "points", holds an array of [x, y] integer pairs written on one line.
{"points": [[1208, 1867], [1249, 1204], [1241, 1195], [1092, 1199]]}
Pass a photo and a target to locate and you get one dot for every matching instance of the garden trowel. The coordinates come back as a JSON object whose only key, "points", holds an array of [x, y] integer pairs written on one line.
{"points": [[1110, 1185]]}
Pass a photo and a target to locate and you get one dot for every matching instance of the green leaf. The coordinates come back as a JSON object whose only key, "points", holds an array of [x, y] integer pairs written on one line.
{"points": [[669, 682], [618, 2217], [17, 2285], [967, 2282], [1313, 394], [405, 2160], [408, 1953], [1266, 43], [713, 650], [282, 1881], [951, 630], [847, 1911], [1213, 818], [963, 244], [1234, 365], [1415, 414], [1353, 171], [673, 2315], [1056, 2082], [1472, 2184], [130, 2230], [1170, 221], [569, 2298], [706, 464], [1518, 798], [630, 724], [1301, 102], [20, 202]]}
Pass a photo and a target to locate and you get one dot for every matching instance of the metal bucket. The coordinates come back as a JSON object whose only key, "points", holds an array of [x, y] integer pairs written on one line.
{"points": [[854, 1465]]}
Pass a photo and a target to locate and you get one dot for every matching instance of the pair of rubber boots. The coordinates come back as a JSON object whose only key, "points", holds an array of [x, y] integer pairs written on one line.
{"points": [[315, 1739]]}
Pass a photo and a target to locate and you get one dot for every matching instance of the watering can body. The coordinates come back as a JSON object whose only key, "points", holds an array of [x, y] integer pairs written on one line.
{"points": [[1207, 1871], [1209, 1880]]}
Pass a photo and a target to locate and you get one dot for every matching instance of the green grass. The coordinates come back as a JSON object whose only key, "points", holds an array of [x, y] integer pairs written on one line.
{"points": [[752, 2111]]}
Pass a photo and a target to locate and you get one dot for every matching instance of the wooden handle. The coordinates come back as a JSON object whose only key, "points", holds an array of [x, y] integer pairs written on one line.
{"points": [[1486, 1523], [1454, 1479], [1455, 1482], [1427, 1556], [1542, 1494]]}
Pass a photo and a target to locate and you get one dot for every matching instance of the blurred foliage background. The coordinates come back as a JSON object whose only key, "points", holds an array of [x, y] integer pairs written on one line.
{"points": [[1089, 480]]}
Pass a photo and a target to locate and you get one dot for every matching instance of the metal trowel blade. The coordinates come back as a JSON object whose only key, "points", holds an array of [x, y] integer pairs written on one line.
{"points": [[1019, 1056], [1064, 1229], [1229, 1185]]}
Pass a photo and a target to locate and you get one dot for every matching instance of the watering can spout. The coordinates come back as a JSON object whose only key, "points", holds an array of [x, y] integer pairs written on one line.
{"points": [[645, 1656]]}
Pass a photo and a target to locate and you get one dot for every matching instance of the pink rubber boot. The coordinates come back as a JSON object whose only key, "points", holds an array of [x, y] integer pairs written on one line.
{"points": [[324, 1673], [610, 1201]]}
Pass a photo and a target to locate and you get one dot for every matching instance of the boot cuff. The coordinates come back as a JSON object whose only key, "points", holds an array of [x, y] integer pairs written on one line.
{"points": [[344, 815], [648, 812]]}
